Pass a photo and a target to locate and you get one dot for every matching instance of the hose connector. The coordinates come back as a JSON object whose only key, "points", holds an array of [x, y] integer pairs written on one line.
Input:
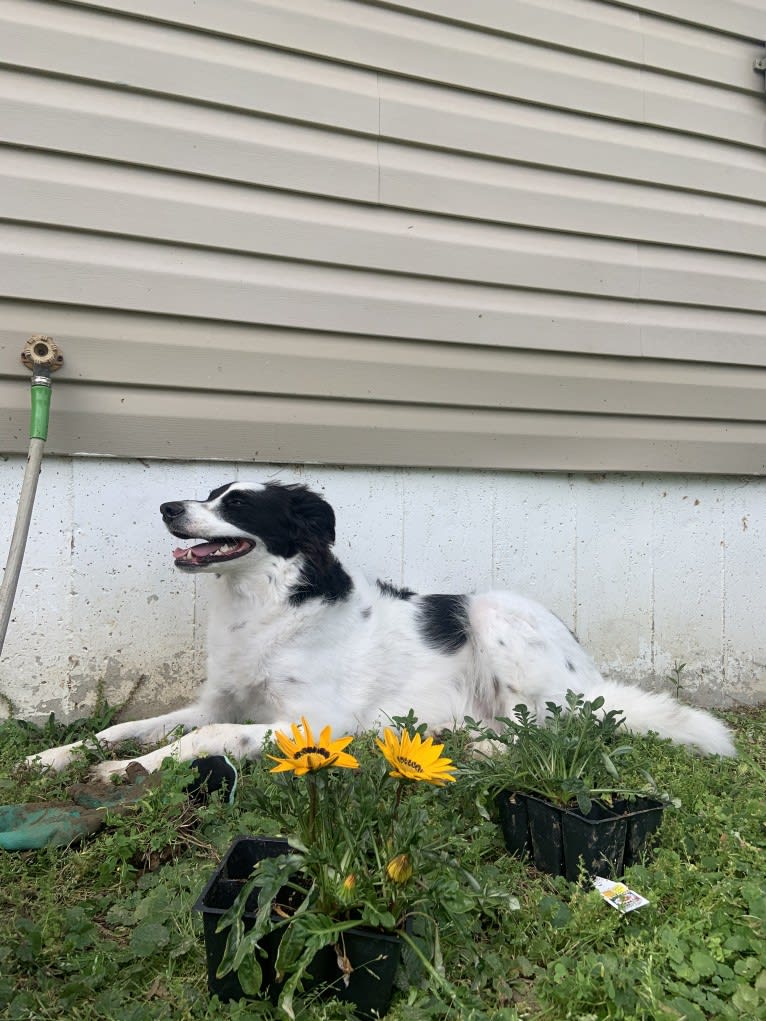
{"points": [[41, 356]]}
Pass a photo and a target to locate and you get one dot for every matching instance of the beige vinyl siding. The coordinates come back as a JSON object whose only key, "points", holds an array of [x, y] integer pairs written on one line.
{"points": [[499, 235]]}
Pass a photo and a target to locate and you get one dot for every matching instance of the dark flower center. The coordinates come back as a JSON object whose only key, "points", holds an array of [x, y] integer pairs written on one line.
{"points": [[313, 750], [413, 765]]}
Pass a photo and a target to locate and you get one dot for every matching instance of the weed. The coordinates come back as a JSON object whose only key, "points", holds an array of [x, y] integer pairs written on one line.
{"points": [[674, 678]]}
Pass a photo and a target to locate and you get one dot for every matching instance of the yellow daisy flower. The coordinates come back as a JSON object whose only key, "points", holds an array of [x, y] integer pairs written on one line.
{"points": [[415, 759], [347, 889], [399, 869], [305, 755]]}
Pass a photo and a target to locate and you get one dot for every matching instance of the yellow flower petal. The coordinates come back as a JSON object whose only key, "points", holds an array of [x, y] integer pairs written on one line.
{"points": [[305, 755], [415, 759]]}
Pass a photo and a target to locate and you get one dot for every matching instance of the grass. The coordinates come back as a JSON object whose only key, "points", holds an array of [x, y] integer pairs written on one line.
{"points": [[105, 930]]}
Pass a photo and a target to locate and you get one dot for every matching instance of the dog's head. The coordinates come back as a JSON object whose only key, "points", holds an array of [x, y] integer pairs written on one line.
{"points": [[241, 518]]}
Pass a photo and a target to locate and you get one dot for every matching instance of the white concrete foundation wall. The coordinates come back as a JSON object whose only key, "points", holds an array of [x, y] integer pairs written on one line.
{"points": [[647, 570]]}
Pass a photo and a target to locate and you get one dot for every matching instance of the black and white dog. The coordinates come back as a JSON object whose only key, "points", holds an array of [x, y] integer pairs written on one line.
{"points": [[292, 634]]}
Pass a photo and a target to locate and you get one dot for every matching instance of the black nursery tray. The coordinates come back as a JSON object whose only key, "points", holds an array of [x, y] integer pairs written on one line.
{"points": [[644, 816], [562, 842], [374, 956]]}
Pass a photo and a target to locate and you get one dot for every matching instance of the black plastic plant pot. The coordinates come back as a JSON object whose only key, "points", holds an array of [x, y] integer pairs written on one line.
{"points": [[566, 842], [594, 843], [514, 822], [373, 956], [545, 835], [643, 816], [219, 894]]}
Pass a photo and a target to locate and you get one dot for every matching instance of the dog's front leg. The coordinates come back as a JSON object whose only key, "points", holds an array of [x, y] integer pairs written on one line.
{"points": [[238, 740], [149, 731]]}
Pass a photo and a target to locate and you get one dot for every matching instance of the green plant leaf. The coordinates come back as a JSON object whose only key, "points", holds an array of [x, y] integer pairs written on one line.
{"points": [[301, 941], [249, 971], [747, 967], [148, 938], [746, 999], [584, 803], [703, 963]]}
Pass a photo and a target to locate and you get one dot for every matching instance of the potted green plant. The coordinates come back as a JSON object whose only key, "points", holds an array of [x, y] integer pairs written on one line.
{"points": [[558, 791], [361, 876]]}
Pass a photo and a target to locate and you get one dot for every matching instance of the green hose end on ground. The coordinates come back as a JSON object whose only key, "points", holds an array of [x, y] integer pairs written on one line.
{"points": [[40, 411]]}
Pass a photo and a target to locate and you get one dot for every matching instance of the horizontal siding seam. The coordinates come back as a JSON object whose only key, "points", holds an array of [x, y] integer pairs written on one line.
{"points": [[328, 334], [660, 187], [387, 205], [376, 204], [500, 159], [393, 274], [420, 405], [445, 19], [383, 203], [211, 104], [680, 20], [428, 16], [590, 174], [551, 415], [193, 101]]}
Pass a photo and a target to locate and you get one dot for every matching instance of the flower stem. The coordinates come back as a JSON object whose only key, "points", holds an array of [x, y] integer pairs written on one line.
{"points": [[395, 811], [311, 779]]}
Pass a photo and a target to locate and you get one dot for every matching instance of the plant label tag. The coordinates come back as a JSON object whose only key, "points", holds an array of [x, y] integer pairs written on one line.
{"points": [[618, 895]]}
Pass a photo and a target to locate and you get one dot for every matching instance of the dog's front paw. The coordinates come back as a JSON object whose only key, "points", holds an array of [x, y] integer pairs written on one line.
{"points": [[54, 759], [111, 767]]}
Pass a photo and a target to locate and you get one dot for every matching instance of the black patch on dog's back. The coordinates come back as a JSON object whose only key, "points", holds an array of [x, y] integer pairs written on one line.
{"points": [[387, 589], [443, 622]]}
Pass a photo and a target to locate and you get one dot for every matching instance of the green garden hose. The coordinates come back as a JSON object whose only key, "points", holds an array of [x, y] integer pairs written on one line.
{"points": [[41, 355], [41, 409]]}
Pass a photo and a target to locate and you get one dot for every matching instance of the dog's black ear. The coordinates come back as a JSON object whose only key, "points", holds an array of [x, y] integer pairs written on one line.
{"points": [[311, 519]]}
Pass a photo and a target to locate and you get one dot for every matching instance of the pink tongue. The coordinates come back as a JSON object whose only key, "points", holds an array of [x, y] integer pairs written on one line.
{"points": [[204, 549]]}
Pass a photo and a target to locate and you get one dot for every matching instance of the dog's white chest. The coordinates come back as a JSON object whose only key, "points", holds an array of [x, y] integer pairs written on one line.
{"points": [[245, 647]]}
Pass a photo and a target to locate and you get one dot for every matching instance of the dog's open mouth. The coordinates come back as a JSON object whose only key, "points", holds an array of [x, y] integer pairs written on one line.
{"points": [[214, 551]]}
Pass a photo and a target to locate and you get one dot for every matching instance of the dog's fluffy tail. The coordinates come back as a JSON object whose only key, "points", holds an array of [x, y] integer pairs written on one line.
{"points": [[646, 711]]}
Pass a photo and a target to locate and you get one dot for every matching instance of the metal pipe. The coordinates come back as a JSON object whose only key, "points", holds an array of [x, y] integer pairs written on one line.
{"points": [[43, 357]]}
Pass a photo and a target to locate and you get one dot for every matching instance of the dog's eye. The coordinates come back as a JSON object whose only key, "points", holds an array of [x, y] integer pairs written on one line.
{"points": [[236, 501]]}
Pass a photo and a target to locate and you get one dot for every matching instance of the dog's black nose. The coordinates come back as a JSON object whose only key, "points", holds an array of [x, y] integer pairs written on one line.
{"points": [[171, 510]]}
